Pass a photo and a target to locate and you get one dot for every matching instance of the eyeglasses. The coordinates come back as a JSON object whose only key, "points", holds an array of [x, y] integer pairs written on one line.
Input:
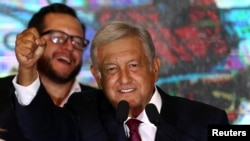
{"points": [[60, 37]]}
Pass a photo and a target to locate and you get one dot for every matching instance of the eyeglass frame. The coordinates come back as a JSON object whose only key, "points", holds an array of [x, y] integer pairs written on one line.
{"points": [[86, 41]]}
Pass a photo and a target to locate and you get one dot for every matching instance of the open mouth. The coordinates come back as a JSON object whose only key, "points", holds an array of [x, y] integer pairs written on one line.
{"points": [[64, 59]]}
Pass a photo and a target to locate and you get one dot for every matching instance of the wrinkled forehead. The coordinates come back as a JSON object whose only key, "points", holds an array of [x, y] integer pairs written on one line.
{"points": [[127, 48]]}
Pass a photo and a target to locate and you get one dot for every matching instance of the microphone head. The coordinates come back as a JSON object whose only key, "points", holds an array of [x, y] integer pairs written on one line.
{"points": [[122, 111], [153, 114]]}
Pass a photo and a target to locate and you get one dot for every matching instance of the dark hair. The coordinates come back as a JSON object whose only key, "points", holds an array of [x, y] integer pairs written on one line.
{"points": [[37, 19]]}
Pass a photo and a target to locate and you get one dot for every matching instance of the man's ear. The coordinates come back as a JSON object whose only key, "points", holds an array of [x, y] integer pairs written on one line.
{"points": [[156, 67], [97, 75]]}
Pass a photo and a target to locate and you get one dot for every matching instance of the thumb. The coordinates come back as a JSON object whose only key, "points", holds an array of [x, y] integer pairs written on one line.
{"points": [[41, 44], [39, 52]]}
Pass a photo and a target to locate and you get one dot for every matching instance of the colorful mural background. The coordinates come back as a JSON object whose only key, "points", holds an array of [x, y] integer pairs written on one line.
{"points": [[204, 44]]}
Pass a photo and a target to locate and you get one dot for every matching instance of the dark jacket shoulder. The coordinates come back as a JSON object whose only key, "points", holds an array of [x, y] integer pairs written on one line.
{"points": [[189, 119], [190, 110], [82, 101], [9, 123], [85, 87], [6, 91]]}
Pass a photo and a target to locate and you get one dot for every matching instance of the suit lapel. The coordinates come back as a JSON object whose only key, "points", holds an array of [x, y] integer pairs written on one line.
{"points": [[166, 130], [170, 119]]}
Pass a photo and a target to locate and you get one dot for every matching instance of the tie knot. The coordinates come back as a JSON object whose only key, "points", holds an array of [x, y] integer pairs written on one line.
{"points": [[133, 127], [133, 124]]}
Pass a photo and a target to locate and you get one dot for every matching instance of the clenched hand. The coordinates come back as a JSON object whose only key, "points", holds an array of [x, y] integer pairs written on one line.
{"points": [[29, 48]]}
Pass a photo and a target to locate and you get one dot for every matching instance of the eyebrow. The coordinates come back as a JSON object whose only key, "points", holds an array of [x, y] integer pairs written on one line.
{"points": [[49, 31]]}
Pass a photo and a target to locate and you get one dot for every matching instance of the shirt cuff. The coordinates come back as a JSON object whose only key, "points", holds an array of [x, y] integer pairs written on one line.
{"points": [[25, 94]]}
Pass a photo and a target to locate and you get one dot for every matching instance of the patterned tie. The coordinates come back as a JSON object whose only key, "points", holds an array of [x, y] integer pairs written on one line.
{"points": [[133, 125]]}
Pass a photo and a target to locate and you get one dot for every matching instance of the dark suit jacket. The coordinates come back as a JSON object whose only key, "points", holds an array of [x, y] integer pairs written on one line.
{"points": [[181, 119], [40, 121]]}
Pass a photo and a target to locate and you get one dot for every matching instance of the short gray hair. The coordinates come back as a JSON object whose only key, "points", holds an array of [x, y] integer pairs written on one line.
{"points": [[115, 30]]}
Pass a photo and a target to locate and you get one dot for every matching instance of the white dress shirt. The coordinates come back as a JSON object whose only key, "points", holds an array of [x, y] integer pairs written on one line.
{"points": [[147, 129]]}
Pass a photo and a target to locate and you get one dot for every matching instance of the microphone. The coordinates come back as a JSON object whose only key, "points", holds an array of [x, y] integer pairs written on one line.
{"points": [[152, 113], [122, 111]]}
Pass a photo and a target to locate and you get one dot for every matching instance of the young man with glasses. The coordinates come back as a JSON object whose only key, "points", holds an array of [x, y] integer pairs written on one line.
{"points": [[49, 53]]}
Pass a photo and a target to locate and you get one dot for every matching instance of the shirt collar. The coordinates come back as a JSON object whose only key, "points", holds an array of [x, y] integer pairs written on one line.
{"points": [[75, 88], [156, 100]]}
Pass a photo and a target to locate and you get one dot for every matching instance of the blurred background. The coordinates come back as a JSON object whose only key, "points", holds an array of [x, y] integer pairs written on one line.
{"points": [[204, 45]]}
